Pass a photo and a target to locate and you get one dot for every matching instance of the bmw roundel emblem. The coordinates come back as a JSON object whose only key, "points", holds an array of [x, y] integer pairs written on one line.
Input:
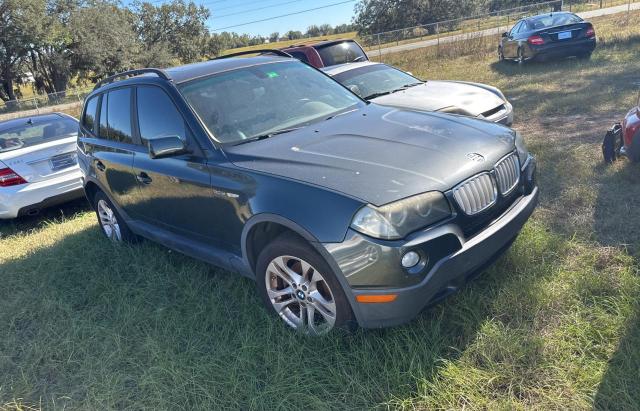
{"points": [[478, 158]]}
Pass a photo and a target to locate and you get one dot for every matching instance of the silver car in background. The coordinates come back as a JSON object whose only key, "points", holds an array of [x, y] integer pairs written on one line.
{"points": [[389, 86], [38, 164]]}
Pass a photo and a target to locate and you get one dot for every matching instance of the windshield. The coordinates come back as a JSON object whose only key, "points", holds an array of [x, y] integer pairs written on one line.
{"points": [[255, 101], [340, 53], [32, 133], [552, 20], [374, 80]]}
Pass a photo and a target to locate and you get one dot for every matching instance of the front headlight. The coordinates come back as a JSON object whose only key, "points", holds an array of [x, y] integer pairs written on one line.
{"points": [[523, 153], [396, 220]]}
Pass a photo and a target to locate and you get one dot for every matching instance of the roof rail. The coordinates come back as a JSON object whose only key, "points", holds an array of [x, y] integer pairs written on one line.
{"points": [[160, 73], [260, 51]]}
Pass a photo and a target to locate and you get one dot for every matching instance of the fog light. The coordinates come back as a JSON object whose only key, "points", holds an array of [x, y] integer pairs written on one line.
{"points": [[410, 259]]}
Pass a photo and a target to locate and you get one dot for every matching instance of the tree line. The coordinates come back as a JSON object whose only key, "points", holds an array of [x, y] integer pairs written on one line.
{"points": [[51, 43], [377, 16]]}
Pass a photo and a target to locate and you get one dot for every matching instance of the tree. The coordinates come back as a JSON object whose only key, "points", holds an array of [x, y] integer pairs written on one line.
{"points": [[17, 17], [293, 35], [273, 37], [171, 31], [313, 31], [104, 41], [374, 16], [326, 29]]}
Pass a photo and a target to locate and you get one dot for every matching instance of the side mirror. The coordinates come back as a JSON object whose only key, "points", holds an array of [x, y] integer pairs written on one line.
{"points": [[505, 34], [166, 147]]}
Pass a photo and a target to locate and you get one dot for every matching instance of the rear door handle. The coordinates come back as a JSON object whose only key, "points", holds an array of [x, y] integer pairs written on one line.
{"points": [[100, 166], [144, 178]]}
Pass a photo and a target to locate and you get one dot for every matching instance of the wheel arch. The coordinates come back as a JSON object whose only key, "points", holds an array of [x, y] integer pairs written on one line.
{"points": [[262, 228], [250, 249]]}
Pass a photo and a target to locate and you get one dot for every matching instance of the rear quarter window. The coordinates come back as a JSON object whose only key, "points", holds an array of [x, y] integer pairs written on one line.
{"points": [[89, 116]]}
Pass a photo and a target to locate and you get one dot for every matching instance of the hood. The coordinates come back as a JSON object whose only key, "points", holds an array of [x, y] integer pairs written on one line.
{"points": [[380, 154], [439, 95]]}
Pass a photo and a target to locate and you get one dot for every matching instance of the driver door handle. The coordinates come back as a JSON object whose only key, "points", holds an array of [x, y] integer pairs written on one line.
{"points": [[100, 166], [143, 178]]}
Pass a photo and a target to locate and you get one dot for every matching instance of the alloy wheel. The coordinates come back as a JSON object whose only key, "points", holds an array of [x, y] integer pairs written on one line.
{"points": [[109, 221], [300, 295]]}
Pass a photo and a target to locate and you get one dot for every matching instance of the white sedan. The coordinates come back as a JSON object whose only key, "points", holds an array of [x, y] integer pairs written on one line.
{"points": [[38, 164], [388, 86]]}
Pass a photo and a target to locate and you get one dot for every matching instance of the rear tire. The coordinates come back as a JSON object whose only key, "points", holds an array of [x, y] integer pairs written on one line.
{"points": [[500, 54], [111, 223], [297, 284]]}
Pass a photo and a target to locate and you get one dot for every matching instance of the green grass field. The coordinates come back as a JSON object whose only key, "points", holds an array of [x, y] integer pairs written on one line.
{"points": [[554, 324]]}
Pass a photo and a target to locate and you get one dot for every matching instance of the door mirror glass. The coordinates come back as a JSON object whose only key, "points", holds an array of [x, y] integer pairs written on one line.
{"points": [[505, 34], [166, 147]]}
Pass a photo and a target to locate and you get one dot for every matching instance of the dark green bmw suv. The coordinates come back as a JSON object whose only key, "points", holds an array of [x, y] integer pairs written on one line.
{"points": [[343, 211]]}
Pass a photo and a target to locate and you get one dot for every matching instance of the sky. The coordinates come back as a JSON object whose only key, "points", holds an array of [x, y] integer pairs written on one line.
{"points": [[225, 13]]}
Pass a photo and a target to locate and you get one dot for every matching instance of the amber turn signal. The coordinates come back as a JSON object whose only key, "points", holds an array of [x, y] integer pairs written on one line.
{"points": [[381, 298]]}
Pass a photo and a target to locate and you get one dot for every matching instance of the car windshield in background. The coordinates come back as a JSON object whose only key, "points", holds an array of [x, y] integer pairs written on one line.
{"points": [[341, 53], [552, 20], [31, 134], [257, 101], [375, 80]]}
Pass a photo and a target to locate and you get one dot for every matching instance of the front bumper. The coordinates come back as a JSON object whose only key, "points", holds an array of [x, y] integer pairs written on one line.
{"points": [[29, 198], [371, 267]]}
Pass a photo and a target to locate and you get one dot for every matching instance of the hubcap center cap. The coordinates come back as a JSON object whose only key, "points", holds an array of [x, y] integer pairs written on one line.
{"points": [[300, 294]]}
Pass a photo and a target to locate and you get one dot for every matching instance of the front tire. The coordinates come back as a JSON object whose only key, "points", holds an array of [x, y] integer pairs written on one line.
{"points": [[634, 150], [298, 285], [111, 223]]}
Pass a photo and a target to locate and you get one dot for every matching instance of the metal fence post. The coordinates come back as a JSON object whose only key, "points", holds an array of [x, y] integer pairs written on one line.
{"points": [[379, 50], [438, 39], [628, 11]]}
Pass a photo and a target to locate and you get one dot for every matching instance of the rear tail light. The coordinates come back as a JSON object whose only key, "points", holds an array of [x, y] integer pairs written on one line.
{"points": [[8, 177], [591, 32], [535, 40]]}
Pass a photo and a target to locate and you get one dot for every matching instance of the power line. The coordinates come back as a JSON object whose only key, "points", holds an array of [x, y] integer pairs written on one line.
{"points": [[283, 15], [251, 10]]}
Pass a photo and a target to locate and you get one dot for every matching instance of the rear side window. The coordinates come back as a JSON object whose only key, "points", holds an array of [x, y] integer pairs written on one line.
{"points": [[32, 133], [115, 116], [157, 115], [89, 117]]}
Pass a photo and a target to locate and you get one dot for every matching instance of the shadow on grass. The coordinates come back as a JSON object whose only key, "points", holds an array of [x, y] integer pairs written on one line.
{"points": [[617, 223], [618, 389], [46, 216], [88, 324]]}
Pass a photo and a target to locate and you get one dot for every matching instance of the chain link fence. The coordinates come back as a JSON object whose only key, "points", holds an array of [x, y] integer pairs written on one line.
{"points": [[42, 101], [475, 26]]}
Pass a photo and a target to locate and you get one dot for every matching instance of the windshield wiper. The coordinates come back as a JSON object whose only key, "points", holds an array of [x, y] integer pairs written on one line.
{"points": [[268, 135], [384, 93], [359, 58]]}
